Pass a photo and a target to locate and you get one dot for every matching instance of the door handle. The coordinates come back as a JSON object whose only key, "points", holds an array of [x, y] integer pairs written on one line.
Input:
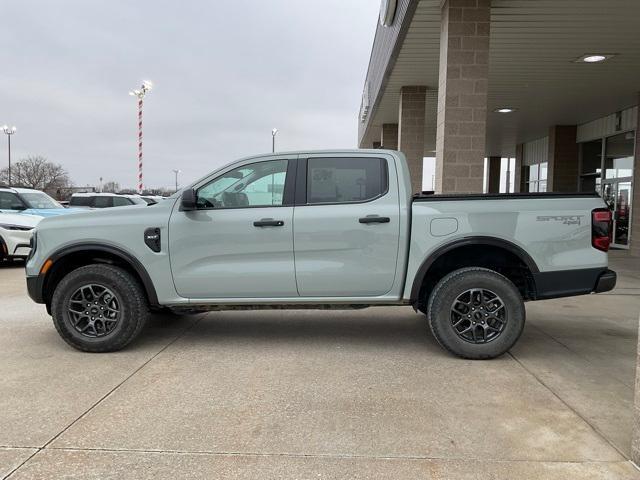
{"points": [[374, 219], [268, 222]]}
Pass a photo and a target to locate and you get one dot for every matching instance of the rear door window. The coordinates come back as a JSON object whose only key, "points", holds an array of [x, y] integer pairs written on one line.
{"points": [[345, 180]]}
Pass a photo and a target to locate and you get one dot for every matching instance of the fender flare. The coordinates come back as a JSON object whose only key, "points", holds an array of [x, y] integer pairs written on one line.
{"points": [[463, 242], [125, 256]]}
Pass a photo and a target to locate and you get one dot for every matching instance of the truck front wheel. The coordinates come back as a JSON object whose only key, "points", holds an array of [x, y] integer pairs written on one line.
{"points": [[99, 308], [476, 313]]}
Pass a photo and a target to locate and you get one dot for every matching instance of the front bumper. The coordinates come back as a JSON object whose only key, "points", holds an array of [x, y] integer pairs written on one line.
{"points": [[34, 288]]}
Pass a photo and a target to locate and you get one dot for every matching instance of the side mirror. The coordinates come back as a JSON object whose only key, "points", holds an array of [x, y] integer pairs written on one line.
{"points": [[188, 200], [18, 208]]}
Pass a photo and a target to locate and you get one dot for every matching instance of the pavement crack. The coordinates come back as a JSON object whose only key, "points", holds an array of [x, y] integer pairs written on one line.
{"points": [[324, 455], [25, 461], [578, 414], [582, 357], [180, 335]]}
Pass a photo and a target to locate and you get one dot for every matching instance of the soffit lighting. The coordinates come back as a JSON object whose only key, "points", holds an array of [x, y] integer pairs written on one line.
{"points": [[593, 58], [505, 110]]}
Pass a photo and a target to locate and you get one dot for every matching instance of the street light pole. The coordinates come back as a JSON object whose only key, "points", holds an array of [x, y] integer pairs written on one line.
{"points": [[140, 93], [9, 131], [273, 139], [176, 171]]}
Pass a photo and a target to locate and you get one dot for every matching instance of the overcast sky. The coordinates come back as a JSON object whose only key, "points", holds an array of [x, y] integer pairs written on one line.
{"points": [[225, 73]]}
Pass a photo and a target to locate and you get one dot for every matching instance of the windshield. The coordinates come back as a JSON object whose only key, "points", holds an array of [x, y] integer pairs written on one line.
{"points": [[138, 200], [39, 200]]}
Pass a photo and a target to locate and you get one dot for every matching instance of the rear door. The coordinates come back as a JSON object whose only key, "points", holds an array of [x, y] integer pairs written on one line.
{"points": [[346, 225]]}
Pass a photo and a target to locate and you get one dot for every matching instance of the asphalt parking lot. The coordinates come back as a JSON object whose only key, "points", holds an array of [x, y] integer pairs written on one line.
{"points": [[306, 394]]}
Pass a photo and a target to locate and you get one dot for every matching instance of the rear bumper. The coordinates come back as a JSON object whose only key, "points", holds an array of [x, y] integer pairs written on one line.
{"points": [[567, 283], [606, 281]]}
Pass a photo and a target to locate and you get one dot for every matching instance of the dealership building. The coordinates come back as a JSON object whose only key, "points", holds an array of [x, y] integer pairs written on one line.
{"points": [[511, 95]]}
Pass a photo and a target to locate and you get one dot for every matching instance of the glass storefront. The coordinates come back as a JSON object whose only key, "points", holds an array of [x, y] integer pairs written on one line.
{"points": [[536, 177], [607, 167]]}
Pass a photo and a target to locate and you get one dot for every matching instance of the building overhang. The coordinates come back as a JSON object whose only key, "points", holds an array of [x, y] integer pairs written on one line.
{"points": [[535, 67]]}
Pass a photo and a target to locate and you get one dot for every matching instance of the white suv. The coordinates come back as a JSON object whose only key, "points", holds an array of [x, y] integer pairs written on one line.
{"points": [[15, 234], [104, 200]]}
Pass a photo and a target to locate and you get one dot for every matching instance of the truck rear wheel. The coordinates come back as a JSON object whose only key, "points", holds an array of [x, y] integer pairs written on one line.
{"points": [[99, 308], [476, 313]]}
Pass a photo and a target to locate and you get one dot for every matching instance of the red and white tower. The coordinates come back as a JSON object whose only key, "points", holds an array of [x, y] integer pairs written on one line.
{"points": [[140, 93]]}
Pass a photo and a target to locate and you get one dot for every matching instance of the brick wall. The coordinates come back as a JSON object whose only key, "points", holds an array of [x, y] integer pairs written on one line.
{"points": [[563, 159], [411, 131], [389, 137], [462, 95]]}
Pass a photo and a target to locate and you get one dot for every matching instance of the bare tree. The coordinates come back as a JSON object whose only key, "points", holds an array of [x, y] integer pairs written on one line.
{"points": [[38, 173], [111, 187]]}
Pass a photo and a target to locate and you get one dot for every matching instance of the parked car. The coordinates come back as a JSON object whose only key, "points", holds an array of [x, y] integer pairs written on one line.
{"points": [[334, 229], [104, 200], [30, 202], [15, 234]]}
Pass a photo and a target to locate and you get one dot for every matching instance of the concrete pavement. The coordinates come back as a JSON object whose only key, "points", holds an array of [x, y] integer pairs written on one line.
{"points": [[326, 394]]}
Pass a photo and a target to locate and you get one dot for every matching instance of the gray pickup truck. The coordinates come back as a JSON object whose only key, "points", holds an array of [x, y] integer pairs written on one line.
{"points": [[331, 229]]}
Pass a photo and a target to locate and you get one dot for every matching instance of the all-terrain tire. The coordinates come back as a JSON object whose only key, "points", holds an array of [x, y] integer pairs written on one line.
{"points": [[124, 295], [476, 286]]}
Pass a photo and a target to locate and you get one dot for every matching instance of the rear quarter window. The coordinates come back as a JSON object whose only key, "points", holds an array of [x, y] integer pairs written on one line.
{"points": [[121, 201], [80, 202]]}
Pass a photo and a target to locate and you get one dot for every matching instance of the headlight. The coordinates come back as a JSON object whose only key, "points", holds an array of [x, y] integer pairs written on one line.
{"points": [[15, 227], [33, 244]]}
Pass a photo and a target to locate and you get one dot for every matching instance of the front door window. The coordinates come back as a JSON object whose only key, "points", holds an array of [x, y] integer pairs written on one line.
{"points": [[255, 185]]}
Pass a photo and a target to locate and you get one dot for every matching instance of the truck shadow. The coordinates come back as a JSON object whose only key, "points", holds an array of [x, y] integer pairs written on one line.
{"points": [[370, 327]]}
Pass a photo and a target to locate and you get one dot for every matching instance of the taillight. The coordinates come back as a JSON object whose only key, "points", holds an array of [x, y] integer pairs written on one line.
{"points": [[601, 228]]}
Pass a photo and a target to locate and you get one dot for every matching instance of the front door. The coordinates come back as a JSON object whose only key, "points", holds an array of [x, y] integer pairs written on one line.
{"points": [[346, 226], [239, 242]]}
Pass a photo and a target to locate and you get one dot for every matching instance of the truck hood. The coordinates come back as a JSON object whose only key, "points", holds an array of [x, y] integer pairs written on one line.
{"points": [[49, 212], [83, 220]]}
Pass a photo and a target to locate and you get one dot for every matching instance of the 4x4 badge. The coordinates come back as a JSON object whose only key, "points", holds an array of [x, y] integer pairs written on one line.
{"points": [[565, 219]]}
